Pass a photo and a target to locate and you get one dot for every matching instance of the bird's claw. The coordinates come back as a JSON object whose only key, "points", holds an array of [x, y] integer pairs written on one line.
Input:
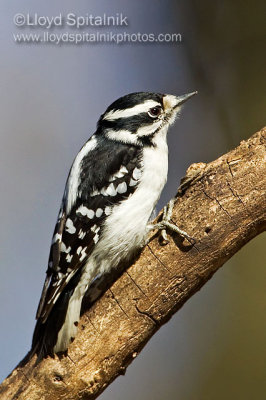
{"points": [[166, 224]]}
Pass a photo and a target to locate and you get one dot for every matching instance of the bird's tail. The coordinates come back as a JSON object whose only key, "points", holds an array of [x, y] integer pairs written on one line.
{"points": [[46, 334], [54, 335]]}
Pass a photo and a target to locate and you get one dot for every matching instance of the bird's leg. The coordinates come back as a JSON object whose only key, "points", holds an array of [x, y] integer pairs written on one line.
{"points": [[166, 224]]}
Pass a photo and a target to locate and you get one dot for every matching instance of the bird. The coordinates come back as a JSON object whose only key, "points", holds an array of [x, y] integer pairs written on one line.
{"points": [[111, 191]]}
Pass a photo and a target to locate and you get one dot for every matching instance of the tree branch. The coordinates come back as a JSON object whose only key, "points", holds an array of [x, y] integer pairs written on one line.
{"points": [[221, 204]]}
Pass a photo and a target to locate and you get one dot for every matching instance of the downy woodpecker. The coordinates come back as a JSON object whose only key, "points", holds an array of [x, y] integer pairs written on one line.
{"points": [[111, 191]]}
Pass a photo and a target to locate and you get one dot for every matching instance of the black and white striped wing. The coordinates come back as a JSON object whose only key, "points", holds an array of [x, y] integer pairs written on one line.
{"points": [[106, 177]]}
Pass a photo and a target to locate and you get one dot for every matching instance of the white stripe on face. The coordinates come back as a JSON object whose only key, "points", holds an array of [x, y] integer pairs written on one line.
{"points": [[123, 136], [130, 112], [147, 130]]}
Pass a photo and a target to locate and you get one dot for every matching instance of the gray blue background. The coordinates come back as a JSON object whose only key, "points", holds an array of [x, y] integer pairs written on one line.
{"points": [[51, 98]]}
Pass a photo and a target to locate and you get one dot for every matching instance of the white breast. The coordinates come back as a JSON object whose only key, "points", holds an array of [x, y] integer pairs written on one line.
{"points": [[125, 228]]}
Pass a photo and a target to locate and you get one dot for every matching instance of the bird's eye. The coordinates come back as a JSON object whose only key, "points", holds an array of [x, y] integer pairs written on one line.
{"points": [[154, 112]]}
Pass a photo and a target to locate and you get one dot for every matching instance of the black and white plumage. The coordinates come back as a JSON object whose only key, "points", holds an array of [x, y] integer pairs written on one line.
{"points": [[111, 191]]}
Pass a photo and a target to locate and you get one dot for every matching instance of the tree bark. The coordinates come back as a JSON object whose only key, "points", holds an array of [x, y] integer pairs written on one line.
{"points": [[222, 204]]}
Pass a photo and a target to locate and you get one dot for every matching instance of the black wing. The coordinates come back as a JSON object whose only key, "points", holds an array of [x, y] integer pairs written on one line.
{"points": [[108, 175]]}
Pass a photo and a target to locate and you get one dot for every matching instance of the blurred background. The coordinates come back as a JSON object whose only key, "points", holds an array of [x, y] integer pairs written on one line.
{"points": [[51, 98]]}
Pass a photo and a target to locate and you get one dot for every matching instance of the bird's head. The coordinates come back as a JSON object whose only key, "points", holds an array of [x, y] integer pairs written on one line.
{"points": [[137, 118]]}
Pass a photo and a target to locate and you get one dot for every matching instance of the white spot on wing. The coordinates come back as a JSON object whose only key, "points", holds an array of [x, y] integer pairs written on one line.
{"points": [[56, 237], [69, 258], [64, 249], [81, 234], [99, 212], [93, 228], [96, 238], [83, 254], [109, 191], [122, 187], [132, 182], [69, 226], [108, 210], [123, 170], [136, 173], [85, 211], [119, 174]]}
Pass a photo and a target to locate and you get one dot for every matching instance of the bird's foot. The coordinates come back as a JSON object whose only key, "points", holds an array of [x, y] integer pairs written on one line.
{"points": [[165, 224]]}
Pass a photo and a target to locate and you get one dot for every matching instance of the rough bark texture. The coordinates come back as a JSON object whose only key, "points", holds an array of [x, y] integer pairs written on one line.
{"points": [[222, 205]]}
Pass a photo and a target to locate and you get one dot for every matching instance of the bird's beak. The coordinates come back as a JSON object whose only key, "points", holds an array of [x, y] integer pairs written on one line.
{"points": [[181, 99], [171, 102]]}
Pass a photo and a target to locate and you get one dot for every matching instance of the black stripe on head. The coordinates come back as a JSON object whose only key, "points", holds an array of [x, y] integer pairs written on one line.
{"points": [[133, 99], [129, 101], [130, 123]]}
